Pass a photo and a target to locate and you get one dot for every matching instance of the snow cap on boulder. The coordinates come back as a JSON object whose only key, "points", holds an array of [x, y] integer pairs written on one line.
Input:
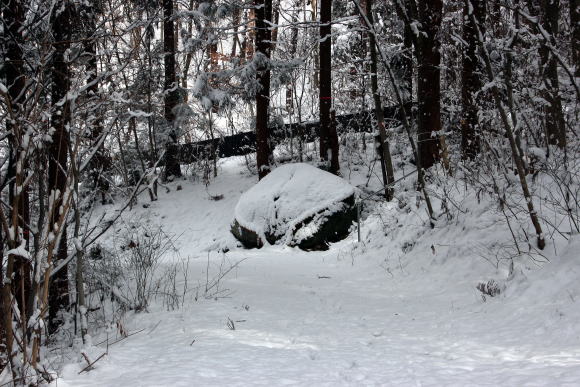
{"points": [[296, 204]]}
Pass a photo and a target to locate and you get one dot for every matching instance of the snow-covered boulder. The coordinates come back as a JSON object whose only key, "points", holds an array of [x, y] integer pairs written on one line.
{"points": [[296, 204]]}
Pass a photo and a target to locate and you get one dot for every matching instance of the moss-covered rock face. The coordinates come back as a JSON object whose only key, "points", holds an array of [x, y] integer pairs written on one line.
{"points": [[298, 205]]}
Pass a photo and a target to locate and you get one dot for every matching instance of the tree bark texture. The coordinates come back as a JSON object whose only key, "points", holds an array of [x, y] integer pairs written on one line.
{"points": [[58, 151], [171, 94], [100, 161], [548, 12], [262, 59], [430, 13], [384, 148], [408, 64], [328, 150], [575, 35], [555, 123], [471, 78]]}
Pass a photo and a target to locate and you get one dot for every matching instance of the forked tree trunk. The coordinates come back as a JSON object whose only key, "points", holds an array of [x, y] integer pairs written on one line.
{"points": [[263, 47]]}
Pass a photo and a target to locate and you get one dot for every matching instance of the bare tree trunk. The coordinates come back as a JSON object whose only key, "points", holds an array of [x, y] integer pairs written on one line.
{"points": [[293, 47], [385, 153], [172, 168], [408, 64], [430, 13], [470, 79], [100, 161], [517, 156], [555, 125], [236, 21], [79, 279], [248, 43], [547, 12], [58, 152], [328, 151], [315, 74], [276, 19], [575, 35], [263, 47]]}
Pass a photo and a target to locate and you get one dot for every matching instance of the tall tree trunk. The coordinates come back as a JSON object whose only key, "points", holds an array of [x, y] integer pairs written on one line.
{"points": [[100, 160], [262, 58], [470, 78], [293, 47], [384, 149], [430, 13], [171, 99], [58, 152], [276, 19], [575, 35], [555, 124], [248, 43], [328, 148], [236, 17], [547, 12], [408, 64]]}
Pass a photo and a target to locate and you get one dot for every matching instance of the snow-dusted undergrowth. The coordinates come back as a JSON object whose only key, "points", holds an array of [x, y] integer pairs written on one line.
{"points": [[398, 308]]}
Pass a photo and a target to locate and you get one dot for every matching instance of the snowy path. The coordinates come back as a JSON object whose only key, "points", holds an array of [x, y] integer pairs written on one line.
{"points": [[343, 330], [363, 326]]}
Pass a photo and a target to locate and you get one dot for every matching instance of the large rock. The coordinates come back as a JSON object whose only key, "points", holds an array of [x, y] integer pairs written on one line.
{"points": [[298, 205]]}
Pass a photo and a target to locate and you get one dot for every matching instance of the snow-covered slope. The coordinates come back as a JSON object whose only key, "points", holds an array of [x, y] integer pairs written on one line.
{"points": [[399, 308]]}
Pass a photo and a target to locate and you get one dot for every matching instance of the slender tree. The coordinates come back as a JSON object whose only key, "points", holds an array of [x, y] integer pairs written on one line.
{"points": [[171, 93], [516, 152], [430, 13], [58, 150], [555, 124], [408, 62], [384, 148], [470, 78], [575, 33], [328, 140], [100, 161], [262, 62]]}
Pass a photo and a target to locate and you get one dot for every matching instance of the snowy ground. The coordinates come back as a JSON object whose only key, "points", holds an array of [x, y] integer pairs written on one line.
{"points": [[398, 309]]}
